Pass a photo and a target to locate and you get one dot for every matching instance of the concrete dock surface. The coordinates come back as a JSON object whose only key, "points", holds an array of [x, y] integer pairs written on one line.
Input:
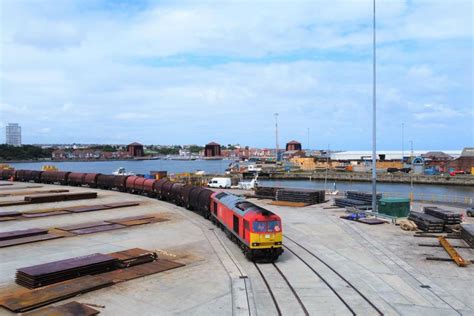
{"points": [[330, 266]]}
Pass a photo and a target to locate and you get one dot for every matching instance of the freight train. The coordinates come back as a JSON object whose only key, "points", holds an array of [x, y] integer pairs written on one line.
{"points": [[256, 230]]}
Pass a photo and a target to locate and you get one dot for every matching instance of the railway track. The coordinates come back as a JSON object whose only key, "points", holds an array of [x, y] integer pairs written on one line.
{"points": [[355, 307], [266, 272]]}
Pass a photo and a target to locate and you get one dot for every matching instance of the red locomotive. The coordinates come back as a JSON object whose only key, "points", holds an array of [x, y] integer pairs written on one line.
{"points": [[256, 230]]}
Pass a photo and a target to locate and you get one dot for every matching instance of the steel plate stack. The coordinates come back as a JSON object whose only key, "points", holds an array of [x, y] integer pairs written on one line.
{"points": [[360, 200], [57, 271], [342, 202], [449, 217], [300, 195], [362, 196], [467, 234], [427, 222], [266, 192]]}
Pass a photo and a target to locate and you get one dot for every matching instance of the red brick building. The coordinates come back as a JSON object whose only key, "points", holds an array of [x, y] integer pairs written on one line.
{"points": [[136, 150], [212, 150], [293, 145]]}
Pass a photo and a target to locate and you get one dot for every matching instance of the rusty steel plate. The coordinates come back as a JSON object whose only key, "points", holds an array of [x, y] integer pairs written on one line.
{"points": [[25, 301], [135, 222], [9, 214], [69, 309], [22, 233], [96, 229], [141, 270], [66, 264], [83, 225], [5, 219], [131, 218], [60, 197], [134, 256], [91, 208], [13, 203], [26, 240], [131, 253], [49, 213], [121, 204]]}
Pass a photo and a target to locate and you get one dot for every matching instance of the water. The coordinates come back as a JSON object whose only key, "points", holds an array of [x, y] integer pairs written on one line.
{"points": [[135, 166], [219, 166]]}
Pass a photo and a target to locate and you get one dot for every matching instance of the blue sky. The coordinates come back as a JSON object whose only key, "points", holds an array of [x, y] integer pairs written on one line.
{"points": [[168, 72]]}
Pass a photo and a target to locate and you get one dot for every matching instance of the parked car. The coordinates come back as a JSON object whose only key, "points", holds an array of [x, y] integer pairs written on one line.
{"points": [[470, 211], [456, 172]]}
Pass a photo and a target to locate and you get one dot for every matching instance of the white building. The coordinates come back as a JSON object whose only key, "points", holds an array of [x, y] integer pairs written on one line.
{"points": [[386, 154], [13, 134]]}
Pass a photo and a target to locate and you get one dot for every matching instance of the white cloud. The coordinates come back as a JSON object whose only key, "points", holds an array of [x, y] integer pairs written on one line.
{"points": [[234, 63], [131, 116], [437, 112]]}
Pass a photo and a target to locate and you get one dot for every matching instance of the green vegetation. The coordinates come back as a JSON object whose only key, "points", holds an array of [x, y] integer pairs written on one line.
{"points": [[195, 149], [107, 148], [25, 152]]}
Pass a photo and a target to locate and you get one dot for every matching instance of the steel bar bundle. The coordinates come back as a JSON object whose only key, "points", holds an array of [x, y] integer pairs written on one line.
{"points": [[449, 217], [427, 222], [467, 234], [300, 195]]}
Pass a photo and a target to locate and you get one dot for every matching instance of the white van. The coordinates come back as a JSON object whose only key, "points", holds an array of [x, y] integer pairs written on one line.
{"points": [[220, 183]]}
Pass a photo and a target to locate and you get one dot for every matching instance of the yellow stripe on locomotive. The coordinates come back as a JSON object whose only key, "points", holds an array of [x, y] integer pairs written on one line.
{"points": [[265, 240]]}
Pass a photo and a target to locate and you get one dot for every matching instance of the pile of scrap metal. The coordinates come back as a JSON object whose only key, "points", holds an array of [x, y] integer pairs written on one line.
{"points": [[55, 281]]}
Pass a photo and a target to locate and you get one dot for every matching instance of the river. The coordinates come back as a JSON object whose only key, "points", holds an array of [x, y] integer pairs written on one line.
{"points": [[219, 166]]}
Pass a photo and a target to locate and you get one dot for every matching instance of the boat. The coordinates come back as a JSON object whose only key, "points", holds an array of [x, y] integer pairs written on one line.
{"points": [[122, 172], [248, 185]]}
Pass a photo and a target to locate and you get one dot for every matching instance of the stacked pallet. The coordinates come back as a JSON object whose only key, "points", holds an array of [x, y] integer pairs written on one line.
{"points": [[467, 234], [359, 200], [427, 222], [300, 195], [449, 217], [57, 271]]}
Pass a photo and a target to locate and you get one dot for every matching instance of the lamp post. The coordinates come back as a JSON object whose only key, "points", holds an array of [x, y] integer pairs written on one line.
{"points": [[308, 141], [412, 171], [276, 136], [374, 125], [403, 142]]}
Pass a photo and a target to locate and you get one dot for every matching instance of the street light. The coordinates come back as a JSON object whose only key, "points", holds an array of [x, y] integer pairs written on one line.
{"points": [[276, 135], [403, 142], [374, 124]]}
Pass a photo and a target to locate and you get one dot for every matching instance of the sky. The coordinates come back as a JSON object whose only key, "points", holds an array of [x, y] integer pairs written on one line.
{"points": [[191, 72]]}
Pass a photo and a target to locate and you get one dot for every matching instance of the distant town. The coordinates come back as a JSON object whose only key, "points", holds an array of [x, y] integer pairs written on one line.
{"points": [[417, 162]]}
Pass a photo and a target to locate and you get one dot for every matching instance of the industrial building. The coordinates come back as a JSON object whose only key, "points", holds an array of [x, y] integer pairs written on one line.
{"points": [[293, 146], [212, 150], [13, 134], [136, 150]]}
